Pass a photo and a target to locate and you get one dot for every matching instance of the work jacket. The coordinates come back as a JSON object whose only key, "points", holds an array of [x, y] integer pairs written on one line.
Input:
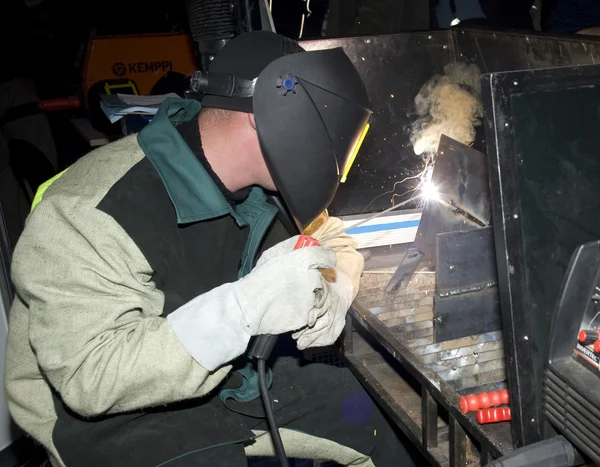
{"points": [[124, 237]]}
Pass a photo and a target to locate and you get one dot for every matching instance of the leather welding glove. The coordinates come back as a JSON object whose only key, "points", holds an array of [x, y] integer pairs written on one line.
{"points": [[350, 265], [284, 292], [349, 261], [329, 325]]}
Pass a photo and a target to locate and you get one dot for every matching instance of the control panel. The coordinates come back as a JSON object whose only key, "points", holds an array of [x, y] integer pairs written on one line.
{"points": [[587, 349], [571, 401]]}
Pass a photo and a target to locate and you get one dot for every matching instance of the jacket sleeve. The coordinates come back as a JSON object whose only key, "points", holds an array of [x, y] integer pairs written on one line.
{"points": [[95, 323]]}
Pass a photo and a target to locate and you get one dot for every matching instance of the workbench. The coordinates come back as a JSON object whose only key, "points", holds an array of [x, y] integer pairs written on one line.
{"points": [[389, 346]]}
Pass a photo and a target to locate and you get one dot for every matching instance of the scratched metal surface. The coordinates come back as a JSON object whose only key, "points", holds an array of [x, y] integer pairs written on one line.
{"points": [[501, 51], [466, 363], [393, 68]]}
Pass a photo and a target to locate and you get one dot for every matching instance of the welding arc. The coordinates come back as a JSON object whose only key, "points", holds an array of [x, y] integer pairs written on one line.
{"points": [[374, 216]]}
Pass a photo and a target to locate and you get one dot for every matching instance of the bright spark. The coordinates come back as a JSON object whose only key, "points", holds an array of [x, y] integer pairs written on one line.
{"points": [[429, 191]]}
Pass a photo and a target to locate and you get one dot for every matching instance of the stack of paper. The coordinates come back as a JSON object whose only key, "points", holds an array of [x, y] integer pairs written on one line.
{"points": [[116, 106]]}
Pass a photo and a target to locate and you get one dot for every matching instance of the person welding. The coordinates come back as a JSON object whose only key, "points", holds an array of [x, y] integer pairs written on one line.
{"points": [[138, 288]]}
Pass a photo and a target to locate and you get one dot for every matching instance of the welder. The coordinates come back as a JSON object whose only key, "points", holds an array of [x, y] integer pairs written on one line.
{"points": [[146, 268]]}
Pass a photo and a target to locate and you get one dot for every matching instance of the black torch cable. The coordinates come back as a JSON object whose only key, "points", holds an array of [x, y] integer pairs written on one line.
{"points": [[275, 435]]}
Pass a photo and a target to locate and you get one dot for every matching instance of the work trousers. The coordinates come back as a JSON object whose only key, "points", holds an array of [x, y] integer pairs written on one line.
{"points": [[322, 411]]}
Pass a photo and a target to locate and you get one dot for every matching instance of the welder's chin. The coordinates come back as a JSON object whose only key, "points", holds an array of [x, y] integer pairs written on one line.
{"points": [[269, 184]]}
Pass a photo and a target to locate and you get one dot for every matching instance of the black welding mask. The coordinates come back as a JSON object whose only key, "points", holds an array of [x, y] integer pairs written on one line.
{"points": [[311, 111]]}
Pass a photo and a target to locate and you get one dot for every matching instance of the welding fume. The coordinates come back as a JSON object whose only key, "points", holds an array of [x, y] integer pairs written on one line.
{"points": [[447, 104]]}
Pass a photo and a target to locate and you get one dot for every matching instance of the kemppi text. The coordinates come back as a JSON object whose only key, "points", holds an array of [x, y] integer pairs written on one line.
{"points": [[146, 67]]}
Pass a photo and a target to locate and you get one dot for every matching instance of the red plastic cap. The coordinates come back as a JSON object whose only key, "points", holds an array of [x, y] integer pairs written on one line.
{"points": [[483, 400], [463, 403], [597, 347], [502, 414], [582, 336]]}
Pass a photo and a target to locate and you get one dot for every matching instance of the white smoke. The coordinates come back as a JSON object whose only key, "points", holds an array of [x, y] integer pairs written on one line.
{"points": [[448, 104]]}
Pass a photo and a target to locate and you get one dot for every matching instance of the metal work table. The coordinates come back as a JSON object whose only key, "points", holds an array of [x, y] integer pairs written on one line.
{"points": [[389, 346]]}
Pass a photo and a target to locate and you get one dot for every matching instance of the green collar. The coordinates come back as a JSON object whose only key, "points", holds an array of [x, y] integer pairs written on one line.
{"points": [[193, 192]]}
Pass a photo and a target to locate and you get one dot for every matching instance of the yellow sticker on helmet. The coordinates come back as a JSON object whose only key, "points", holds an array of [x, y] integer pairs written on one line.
{"points": [[355, 152]]}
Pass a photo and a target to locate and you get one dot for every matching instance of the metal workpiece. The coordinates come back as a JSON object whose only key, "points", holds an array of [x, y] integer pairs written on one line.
{"points": [[461, 202], [461, 180], [461, 177], [466, 298], [408, 265], [390, 346]]}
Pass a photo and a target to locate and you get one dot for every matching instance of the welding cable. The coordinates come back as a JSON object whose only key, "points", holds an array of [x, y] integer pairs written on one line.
{"points": [[195, 451], [275, 435], [304, 16]]}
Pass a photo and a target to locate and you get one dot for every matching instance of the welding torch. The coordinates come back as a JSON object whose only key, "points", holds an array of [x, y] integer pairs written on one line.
{"points": [[263, 345]]}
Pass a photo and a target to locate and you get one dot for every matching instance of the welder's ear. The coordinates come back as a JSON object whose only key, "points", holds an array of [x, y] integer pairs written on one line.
{"points": [[252, 122]]}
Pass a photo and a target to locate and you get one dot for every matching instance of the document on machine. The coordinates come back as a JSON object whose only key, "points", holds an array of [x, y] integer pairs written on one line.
{"points": [[116, 106]]}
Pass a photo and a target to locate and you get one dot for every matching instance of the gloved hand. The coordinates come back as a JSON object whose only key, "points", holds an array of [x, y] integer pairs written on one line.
{"points": [[350, 265], [329, 325], [285, 292], [349, 260]]}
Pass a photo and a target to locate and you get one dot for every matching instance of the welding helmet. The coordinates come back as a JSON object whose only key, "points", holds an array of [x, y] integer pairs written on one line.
{"points": [[311, 111]]}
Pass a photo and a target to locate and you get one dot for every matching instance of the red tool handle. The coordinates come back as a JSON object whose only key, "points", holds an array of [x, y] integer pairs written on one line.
{"points": [[305, 240], [61, 103], [501, 414], [483, 400]]}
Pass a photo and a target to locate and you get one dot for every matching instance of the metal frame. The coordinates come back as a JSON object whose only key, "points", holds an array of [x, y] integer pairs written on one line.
{"points": [[458, 442], [527, 423]]}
